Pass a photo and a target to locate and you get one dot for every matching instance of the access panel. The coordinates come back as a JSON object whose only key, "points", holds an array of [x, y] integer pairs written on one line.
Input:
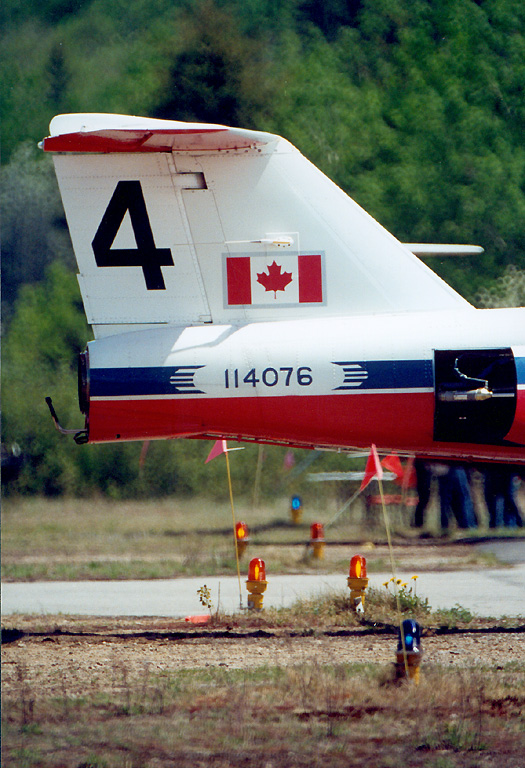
{"points": [[475, 395]]}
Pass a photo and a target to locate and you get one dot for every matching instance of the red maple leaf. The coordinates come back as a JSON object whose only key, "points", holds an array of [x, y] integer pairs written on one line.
{"points": [[275, 280]]}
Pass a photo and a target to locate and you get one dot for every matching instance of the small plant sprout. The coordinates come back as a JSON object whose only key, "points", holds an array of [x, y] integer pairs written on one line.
{"points": [[408, 599], [205, 597]]}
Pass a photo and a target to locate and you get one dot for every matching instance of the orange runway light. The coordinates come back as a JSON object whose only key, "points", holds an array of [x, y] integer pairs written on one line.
{"points": [[317, 541], [357, 567], [357, 583], [257, 570], [242, 537], [256, 583]]}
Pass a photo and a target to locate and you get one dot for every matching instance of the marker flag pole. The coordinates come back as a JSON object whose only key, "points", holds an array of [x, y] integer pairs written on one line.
{"points": [[233, 522], [258, 472], [345, 506], [143, 452], [220, 447], [374, 469]]}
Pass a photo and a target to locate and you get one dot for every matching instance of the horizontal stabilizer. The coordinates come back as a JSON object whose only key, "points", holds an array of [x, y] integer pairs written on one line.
{"points": [[439, 249]]}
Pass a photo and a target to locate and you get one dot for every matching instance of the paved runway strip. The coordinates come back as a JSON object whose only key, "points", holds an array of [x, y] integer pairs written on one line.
{"points": [[489, 592]]}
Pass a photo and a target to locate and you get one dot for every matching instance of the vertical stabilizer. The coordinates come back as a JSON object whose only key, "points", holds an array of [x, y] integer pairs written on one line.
{"points": [[189, 224]]}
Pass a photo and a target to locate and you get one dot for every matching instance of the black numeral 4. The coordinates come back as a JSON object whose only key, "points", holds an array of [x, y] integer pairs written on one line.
{"points": [[128, 196]]}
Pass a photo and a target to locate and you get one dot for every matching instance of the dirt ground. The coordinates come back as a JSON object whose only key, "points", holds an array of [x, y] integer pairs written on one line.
{"points": [[76, 653], [52, 662]]}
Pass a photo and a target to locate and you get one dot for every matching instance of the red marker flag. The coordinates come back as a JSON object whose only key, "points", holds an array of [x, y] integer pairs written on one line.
{"points": [[392, 462], [410, 479], [218, 448], [373, 468]]}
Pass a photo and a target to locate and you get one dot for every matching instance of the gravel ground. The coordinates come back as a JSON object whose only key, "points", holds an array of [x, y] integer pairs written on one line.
{"points": [[51, 663]]}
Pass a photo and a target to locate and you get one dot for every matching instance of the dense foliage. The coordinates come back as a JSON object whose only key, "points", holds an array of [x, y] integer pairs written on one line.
{"points": [[415, 108]]}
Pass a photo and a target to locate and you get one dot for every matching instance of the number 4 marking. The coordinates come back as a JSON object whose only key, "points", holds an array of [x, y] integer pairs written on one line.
{"points": [[128, 196]]}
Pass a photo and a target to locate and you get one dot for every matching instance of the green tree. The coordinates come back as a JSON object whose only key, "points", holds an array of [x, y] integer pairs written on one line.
{"points": [[219, 75], [59, 76], [47, 331], [507, 291], [34, 231]]}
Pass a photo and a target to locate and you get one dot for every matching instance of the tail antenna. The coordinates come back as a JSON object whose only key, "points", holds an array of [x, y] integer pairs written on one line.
{"points": [[80, 435]]}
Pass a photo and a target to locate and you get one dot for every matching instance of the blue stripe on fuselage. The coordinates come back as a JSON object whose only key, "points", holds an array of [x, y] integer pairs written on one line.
{"points": [[386, 374], [179, 380], [159, 380], [520, 369]]}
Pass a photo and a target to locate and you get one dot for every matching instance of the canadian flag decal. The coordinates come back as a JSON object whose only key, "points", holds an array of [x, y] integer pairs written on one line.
{"points": [[269, 280]]}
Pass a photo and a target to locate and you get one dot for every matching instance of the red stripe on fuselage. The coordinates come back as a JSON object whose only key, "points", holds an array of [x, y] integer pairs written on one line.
{"points": [[402, 422], [517, 431], [343, 420]]}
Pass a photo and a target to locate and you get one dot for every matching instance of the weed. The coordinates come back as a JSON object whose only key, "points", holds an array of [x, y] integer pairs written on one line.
{"points": [[31, 729], [407, 596], [323, 710], [205, 597], [451, 617], [444, 762], [26, 700], [26, 757], [94, 762]]}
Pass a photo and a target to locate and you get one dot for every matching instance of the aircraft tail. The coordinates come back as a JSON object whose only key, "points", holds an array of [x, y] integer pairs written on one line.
{"points": [[187, 223]]}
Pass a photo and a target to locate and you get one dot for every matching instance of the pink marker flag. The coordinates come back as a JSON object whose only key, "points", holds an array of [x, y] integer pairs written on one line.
{"points": [[289, 460], [218, 448], [373, 468], [143, 452]]}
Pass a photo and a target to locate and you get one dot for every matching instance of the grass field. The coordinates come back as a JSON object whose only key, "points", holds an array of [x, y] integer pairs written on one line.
{"points": [[69, 539], [271, 717], [95, 693], [72, 698]]}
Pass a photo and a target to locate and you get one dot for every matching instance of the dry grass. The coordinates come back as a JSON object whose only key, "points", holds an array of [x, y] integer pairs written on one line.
{"points": [[133, 713], [308, 715], [100, 539]]}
